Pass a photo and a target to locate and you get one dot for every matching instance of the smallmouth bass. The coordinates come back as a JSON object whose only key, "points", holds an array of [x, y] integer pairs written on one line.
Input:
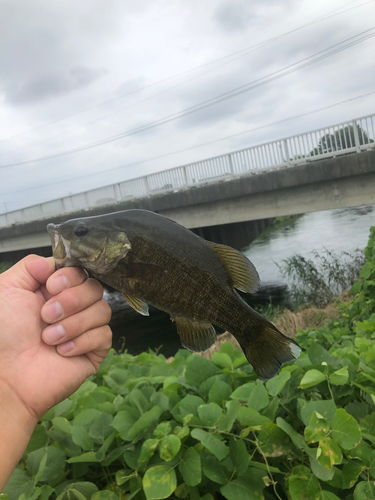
{"points": [[153, 260]]}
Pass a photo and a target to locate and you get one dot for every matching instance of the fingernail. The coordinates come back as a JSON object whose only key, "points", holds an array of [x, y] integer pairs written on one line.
{"points": [[66, 347], [55, 333], [59, 283], [53, 312]]}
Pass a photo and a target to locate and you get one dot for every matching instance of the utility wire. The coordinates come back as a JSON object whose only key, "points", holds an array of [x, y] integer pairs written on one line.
{"points": [[249, 131], [318, 56], [243, 53]]}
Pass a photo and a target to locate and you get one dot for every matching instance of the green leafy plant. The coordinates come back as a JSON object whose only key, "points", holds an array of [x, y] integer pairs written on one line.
{"points": [[196, 429]]}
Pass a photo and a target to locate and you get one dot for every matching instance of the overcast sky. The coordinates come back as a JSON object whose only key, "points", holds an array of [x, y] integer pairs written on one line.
{"points": [[60, 58]]}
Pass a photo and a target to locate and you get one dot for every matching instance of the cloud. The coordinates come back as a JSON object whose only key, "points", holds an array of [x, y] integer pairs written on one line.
{"points": [[45, 86], [233, 16]]}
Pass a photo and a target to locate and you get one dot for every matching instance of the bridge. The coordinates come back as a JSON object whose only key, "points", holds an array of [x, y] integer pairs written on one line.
{"points": [[332, 167]]}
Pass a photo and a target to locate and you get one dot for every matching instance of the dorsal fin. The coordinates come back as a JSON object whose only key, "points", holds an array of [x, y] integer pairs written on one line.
{"points": [[137, 304], [243, 273]]}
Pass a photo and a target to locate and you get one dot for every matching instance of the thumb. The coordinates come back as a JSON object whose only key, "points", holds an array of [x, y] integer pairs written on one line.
{"points": [[29, 273]]}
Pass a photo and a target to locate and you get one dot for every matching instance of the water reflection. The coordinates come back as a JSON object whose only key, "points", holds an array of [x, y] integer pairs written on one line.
{"points": [[337, 230]]}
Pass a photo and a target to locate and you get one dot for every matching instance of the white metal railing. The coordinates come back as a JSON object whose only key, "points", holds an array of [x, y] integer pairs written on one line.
{"points": [[352, 136]]}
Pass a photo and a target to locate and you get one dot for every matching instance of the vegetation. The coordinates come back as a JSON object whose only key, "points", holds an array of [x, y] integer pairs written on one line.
{"points": [[202, 430], [343, 138], [4, 266], [319, 281]]}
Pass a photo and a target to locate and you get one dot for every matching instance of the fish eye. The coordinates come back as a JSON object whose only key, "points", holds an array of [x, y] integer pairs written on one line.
{"points": [[81, 231]]}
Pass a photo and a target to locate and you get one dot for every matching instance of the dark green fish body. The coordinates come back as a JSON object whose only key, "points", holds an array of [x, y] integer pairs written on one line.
{"points": [[153, 260]]}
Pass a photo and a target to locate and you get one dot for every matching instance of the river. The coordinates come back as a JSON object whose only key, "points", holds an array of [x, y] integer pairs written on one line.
{"points": [[335, 230]]}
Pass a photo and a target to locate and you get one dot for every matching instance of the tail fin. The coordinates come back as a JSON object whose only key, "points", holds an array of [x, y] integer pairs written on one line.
{"points": [[267, 351]]}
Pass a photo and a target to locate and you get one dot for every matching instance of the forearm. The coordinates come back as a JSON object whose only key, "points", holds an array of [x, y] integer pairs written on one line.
{"points": [[16, 427]]}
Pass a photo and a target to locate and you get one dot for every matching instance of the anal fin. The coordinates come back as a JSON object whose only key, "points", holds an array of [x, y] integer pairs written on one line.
{"points": [[194, 335], [137, 304]]}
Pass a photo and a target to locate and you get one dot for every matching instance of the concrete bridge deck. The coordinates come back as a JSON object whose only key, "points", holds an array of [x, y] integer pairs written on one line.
{"points": [[343, 181]]}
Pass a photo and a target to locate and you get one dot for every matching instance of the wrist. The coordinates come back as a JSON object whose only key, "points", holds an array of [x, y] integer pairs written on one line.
{"points": [[16, 426]]}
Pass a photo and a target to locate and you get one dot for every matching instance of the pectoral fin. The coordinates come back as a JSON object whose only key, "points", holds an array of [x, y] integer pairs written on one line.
{"points": [[242, 272], [195, 336], [137, 304]]}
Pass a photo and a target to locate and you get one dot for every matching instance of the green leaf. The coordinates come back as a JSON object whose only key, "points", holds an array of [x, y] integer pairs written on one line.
{"points": [[320, 471], [219, 392], [214, 470], [54, 464], [326, 495], [251, 418], [276, 384], [364, 491], [325, 408], [356, 288], [39, 438], [190, 467], [188, 405], [248, 487], [90, 456], [62, 424], [169, 447], [372, 464], [81, 491], [317, 428], [302, 484], [212, 443], [221, 359], [18, 483], [101, 428], [243, 392], [198, 370], [311, 378], [350, 472], [104, 495], [258, 398], [239, 455], [296, 438], [339, 377], [328, 453], [81, 437], [345, 430], [227, 420], [209, 414], [162, 430], [159, 482], [148, 419], [123, 476], [147, 451], [273, 441]]}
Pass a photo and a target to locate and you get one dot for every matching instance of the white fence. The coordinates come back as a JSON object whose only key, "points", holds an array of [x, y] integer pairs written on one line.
{"points": [[352, 136]]}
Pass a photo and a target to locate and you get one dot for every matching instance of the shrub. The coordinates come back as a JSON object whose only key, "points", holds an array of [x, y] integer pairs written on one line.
{"points": [[204, 430]]}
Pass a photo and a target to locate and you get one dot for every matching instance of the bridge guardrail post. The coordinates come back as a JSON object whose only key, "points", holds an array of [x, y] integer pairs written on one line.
{"points": [[286, 150], [185, 176], [147, 186], [356, 137], [230, 162]]}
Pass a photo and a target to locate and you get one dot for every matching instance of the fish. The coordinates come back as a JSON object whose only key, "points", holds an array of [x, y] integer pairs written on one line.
{"points": [[153, 260]]}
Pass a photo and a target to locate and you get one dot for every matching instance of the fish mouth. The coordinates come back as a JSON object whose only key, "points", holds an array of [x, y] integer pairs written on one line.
{"points": [[61, 248]]}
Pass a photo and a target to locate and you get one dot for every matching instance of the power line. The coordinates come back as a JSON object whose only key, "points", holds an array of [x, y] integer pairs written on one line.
{"points": [[243, 53], [318, 56], [255, 129]]}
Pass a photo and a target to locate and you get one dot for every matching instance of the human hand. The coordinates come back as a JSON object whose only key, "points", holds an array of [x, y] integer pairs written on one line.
{"points": [[36, 304]]}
